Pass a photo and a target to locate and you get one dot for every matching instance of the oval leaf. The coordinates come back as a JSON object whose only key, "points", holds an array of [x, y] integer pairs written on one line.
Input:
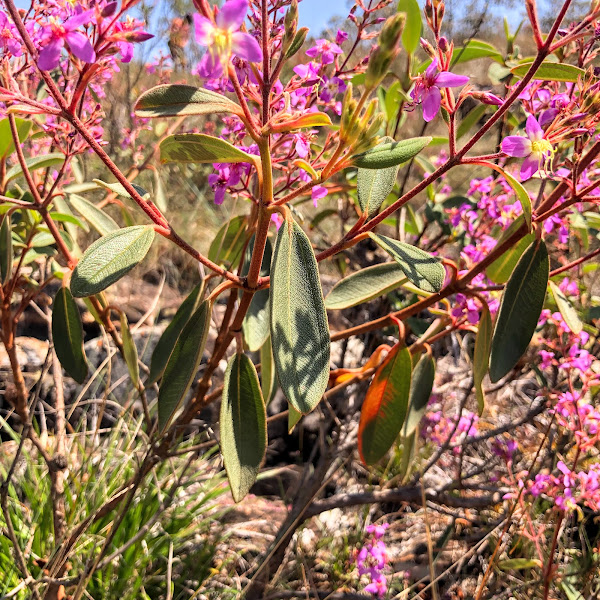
{"points": [[229, 242], [169, 337], [267, 371], [412, 29], [183, 100], [201, 148], [183, 364], [390, 154], [67, 335], [243, 424], [481, 355], [422, 269], [130, 353], [35, 162], [499, 271], [364, 285], [96, 217], [110, 258], [520, 310], [374, 186], [119, 188], [385, 406], [6, 249], [7, 144], [550, 71], [568, 312], [420, 392], [520, 192], [299, 328]]}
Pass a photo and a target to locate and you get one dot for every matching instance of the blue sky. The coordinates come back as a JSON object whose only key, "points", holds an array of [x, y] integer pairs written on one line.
{"points": [[315, 14]]}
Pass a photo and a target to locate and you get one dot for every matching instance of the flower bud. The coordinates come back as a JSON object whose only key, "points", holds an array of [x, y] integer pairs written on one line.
{"points": [[389, 38], [109, 10], [487, 98], [381, 58], [443, 44], [427, 47], [291, 21]]}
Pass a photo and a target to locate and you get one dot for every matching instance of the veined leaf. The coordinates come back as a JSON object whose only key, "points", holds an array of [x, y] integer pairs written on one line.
{"points": [[35, 162], [67, 335], [422, 269], [110, 258], [228, 243], [420, 392], [390, 154], [201, 148], [243, 425], [568, 312], [297, 42], [169, 337], [499, 271], [299, 328], [95, 216], [520, 310], [385, 406], [475, 49], [550, 71], [413, 27], [6, 249], [374, 186], [183, 100], [481, 355], [183, 364], [364, 285], [293, 418], [267, 371], [256, 322]]}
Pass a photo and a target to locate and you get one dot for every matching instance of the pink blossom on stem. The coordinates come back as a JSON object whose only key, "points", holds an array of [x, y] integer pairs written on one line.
{"points": [[9, 36], [326, 50]]}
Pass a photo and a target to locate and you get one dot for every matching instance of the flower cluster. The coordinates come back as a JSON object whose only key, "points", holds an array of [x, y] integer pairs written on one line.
{"points": [[372, 558]]}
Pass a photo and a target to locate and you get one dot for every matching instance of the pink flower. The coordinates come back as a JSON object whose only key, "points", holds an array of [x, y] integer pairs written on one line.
{"points": [[326, 50], [225, 39], [537, 151], [427, 88], [317, 193], [9, 36], [56, 35]]}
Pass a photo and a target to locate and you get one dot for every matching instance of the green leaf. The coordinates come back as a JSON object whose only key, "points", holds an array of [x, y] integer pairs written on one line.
{"points": [[229, 242], [481, 354], [374, 186], [364, 285], [95, 216], [243, 424], [299, 328], [256, 322], [420, 392], [520, 310], [413, 27], [499, 271], [519, 564], [183, 364], [33, 163], [110, 258], [475, 49], [550, 71], [297, 42], [294, 417], [391, 153], [568, 312], [67, 335], [520, 191], [267, 371], [470, 120], [6, 249], [422, 269], [183, 100], [68, 218], [130, 353], [385, 406], [119, 189], [201, 148], [7, 145], [169, 337]]}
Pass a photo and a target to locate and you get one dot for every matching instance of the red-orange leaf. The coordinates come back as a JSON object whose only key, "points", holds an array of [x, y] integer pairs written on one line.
{"points": [[385, 406]]}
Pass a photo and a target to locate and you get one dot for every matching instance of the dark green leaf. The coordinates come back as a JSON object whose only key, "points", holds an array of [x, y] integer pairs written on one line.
{"points": [[229, 242], [420, 392], [297, 42], [470, 120], [35, 162], [390, 154], [201, 148], [499, 271], [422, 269], [520, 310], [183, 364], [385, 406], [243, 424], [183, 100], [6, 249], [299, 328], [374, 186], [169, 337], [267, 371], [67, 335], [364, 285], [110, 258]]}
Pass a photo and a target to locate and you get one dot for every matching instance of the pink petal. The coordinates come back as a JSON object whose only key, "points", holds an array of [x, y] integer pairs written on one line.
{"points": [[529, 167], [446, 79], [205, 30], [431, 69], [78, 20], [245, 46], [50, 55], [432, 100], [516, 145], [80, 46], [533, 129], [210, 67], [232, 15]]}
